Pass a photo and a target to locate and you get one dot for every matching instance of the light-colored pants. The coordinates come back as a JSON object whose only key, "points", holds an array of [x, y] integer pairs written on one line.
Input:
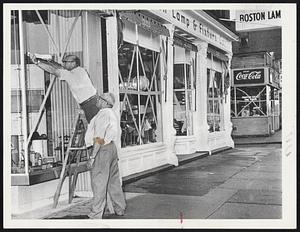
{"points": [[105, 180]]}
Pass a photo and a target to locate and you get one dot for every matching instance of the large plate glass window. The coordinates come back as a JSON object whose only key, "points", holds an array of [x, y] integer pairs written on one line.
{"points": [[184, 91], [49, 122], [140, 87], [248, 101], [215, 95]]}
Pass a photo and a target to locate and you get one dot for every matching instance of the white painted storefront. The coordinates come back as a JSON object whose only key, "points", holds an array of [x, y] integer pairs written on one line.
{"points": [[143, 157], [192, 36]]}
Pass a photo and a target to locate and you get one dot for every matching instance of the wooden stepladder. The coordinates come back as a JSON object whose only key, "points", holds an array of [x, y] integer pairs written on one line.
{"points": [[75, 159]]}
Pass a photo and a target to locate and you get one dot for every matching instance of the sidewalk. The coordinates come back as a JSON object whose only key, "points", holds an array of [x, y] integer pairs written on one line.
{"points": [[244, 182], [276, 138]]}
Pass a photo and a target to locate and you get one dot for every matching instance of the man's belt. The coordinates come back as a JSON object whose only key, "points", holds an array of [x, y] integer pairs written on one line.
{"points": [[87, 100]]}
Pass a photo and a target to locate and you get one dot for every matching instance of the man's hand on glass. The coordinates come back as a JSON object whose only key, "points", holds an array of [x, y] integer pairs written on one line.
{"points": [[33, 58]]}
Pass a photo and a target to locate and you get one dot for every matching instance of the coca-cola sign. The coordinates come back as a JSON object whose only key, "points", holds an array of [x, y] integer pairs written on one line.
{"points": [[248, 76]]}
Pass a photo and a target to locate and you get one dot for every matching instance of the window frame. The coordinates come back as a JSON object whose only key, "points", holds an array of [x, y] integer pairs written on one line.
{"points": [[220, 98], [152, 92], [189, 90]]}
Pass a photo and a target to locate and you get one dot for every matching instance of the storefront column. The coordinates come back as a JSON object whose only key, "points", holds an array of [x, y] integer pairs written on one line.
{"points": [[268, 100], [228, 126], [201, 126], [169, 132], [113, 70]]}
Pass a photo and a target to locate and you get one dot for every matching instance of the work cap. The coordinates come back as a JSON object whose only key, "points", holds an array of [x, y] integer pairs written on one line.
{"points": [[108, 97]]}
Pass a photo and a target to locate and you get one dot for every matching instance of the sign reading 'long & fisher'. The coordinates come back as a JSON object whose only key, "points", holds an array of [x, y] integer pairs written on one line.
{"points": [[248, 76]]}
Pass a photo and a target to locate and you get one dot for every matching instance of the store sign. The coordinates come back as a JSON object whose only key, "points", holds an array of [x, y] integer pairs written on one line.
{"points": [[257, 19], [248, 76], [192, 25]]}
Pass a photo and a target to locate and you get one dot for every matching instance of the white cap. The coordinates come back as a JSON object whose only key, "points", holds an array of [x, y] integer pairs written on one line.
{"points": [[108, 97]]}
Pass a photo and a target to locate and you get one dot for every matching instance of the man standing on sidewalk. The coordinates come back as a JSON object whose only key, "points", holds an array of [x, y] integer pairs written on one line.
{"points": [[78, 80], [102, 133]]}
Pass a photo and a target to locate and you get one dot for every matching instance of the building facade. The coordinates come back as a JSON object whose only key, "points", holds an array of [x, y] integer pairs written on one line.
{"points": [[171, 82], [256, 88]]}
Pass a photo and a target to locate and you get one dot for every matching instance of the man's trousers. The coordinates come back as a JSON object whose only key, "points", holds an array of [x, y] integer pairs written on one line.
{"points": [[105, 180]]}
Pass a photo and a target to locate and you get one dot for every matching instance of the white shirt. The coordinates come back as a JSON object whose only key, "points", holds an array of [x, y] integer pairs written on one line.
{"points": [[104, 125], [79, 82]]}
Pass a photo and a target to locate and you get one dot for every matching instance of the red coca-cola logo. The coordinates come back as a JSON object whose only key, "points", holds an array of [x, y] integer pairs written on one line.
{"points": [[254, 75]]}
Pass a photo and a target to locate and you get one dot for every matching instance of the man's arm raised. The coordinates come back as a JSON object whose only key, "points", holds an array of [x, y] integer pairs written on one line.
{"points": [[48, 66]]}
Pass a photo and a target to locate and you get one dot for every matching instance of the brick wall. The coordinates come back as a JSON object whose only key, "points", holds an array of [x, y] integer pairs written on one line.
{"points": [[267, 40]]}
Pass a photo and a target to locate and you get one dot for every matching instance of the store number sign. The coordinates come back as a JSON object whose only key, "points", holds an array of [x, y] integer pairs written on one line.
{"points": [[248, 76]]}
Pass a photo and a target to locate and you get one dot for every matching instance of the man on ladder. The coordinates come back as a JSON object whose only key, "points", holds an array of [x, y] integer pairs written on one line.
{"points": [[78, 80], [86, 95]]}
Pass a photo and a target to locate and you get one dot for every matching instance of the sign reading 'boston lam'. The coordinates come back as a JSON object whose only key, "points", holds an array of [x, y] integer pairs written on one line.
{"points": [[257, 19], [248, 76]]}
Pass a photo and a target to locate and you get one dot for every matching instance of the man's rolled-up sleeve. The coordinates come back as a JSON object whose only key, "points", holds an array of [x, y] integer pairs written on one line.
{"points": [[89, 134]]}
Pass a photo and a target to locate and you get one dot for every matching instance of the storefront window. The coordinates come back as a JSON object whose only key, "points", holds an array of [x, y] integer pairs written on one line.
{"points": [[215, 104], [140, 95], [274, 98], [184, 91], [45, 33], [248, 101], [17, 157]]}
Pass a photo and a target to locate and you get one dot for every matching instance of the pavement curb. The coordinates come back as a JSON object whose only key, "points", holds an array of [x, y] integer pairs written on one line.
{"points": [[257, 143]]}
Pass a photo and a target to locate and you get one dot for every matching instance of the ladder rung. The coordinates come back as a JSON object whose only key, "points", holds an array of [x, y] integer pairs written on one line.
{"points": [[77, 148]]}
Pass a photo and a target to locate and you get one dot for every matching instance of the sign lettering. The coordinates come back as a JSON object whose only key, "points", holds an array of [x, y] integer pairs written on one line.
{"points": [[255, 19], [193, 25]]}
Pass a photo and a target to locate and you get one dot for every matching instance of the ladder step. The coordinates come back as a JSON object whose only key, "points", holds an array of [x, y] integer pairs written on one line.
{"points": [[69, 167], [77, 148]]}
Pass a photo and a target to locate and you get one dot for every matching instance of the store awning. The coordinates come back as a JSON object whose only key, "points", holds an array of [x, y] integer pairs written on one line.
{"points": [[145, 22]]}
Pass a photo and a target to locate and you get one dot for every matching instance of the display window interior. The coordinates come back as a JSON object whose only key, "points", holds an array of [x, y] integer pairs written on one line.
{"points": [[53, 33], [249, 101], [140, 95]]}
